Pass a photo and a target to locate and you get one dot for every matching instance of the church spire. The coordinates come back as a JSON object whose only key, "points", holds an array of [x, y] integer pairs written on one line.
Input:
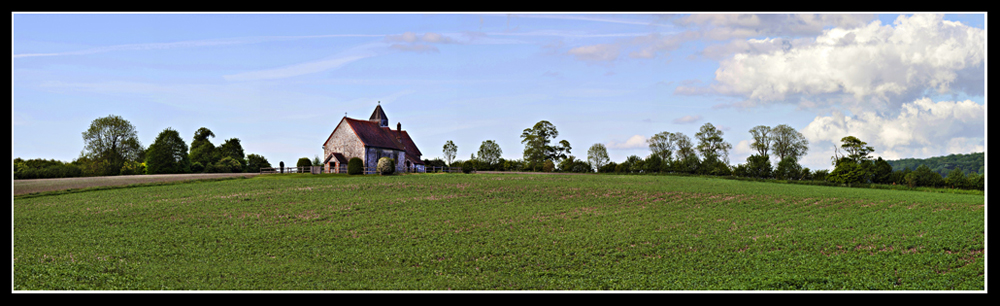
{"points": [[379, 115]]}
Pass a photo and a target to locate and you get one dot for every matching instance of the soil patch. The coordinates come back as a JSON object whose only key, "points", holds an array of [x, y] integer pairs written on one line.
{"points": [[42, 185]]}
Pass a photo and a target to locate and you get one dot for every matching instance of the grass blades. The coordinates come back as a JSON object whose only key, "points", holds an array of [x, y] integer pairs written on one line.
{"points": [[498, 232]]}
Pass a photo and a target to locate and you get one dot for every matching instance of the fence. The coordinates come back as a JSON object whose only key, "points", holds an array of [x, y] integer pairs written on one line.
{"points": [[442, 169], [343, 169], [309, 169]]}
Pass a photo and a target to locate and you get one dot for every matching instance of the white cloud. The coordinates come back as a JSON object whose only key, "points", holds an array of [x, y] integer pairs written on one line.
{"points": [[295, 70], [634, 142], [923, 128], [687, 119], [429, 37], [743, 147], [871, 63], [436, 38], [729, 26], [600, 52]]}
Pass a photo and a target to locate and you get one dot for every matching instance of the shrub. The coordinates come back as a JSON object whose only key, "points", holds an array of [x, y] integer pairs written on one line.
{"points": [[355, 166], [690, 164], [131, 168], [548, 166], [255, 162], [759, 166], [820, 175], [197, 167], [386, 165], [229, 164], [304, 162], [927, 177], [956, 179], [40, 168], [806, 175], [741, 170], [653, 163], [632, 164], [217, 167], [608, 168], [571, 164], [788, 169], [468, 166]]}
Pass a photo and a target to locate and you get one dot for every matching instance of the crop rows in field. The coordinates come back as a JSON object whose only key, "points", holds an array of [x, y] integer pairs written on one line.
{"points": [[499, 232]]}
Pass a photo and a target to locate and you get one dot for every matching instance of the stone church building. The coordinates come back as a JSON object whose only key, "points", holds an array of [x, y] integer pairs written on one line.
{"points": [[370, 140]]}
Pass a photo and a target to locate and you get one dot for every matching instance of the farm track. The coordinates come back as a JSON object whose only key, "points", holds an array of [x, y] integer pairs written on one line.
{"points": [[509, 172], [42, 185]]}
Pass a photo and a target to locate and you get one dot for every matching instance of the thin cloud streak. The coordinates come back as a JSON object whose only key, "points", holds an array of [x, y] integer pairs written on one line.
{"points": [[336, 61], [187, 44], [295, 70], [595, 19]]}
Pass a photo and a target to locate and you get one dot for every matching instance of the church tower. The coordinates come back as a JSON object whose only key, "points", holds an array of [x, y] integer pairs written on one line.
{"points": [[379, 115]]}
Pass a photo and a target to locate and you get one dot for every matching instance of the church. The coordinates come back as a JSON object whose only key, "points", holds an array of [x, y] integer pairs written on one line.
{"points": [[370, 140]]}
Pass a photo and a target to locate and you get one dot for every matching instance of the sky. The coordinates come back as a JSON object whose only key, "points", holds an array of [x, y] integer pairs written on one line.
{"points": [[910, 85]]}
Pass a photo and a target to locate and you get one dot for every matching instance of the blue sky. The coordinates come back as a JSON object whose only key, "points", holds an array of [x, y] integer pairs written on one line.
{"points": [[911, 85]]}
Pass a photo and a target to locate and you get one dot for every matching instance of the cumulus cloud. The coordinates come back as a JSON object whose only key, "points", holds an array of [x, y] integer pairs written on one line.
{"points": [[634, 142], [687, 119], [754, 46], [871, 63], [923, 128], [743, 148]]}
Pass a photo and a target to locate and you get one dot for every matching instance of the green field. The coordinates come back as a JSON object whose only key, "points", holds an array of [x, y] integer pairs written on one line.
{"points": [[497, 232]]}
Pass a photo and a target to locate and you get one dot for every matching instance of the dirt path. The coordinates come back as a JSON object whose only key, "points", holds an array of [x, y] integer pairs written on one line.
{"points": [[511, 172], [40, 185]]}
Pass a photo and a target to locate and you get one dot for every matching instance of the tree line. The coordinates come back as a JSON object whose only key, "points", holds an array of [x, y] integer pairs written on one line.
{"points": [[708, 154], [973, 163], [111, 147]]}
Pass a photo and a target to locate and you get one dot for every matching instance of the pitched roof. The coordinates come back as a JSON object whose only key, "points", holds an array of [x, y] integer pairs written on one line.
{"points": [[340, 158], [372, 135], [412, 153]]}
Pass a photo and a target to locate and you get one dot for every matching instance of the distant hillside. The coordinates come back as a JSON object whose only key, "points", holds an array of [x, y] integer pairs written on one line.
{"points": [[969, 163]]}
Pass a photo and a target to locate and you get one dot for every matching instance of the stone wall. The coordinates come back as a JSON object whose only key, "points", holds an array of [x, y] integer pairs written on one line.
{"points": [[344, 141]]}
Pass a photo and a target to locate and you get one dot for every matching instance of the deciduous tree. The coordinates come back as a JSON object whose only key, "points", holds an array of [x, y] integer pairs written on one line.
{"points": [[450, 149], [711, 145], [110, 141], [233, 148], [489, 152], [598, 155], [786, 141], [662, 145], [684, 146], [168, 154], [202, 150], [536, 144], [761, 139]]}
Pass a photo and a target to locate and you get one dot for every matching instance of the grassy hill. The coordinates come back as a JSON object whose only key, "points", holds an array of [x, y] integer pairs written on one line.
{"points": [[497, 232], [969, 163]]}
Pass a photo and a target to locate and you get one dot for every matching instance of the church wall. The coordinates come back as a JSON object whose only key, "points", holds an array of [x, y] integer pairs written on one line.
{"points": [[346, 142]]}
